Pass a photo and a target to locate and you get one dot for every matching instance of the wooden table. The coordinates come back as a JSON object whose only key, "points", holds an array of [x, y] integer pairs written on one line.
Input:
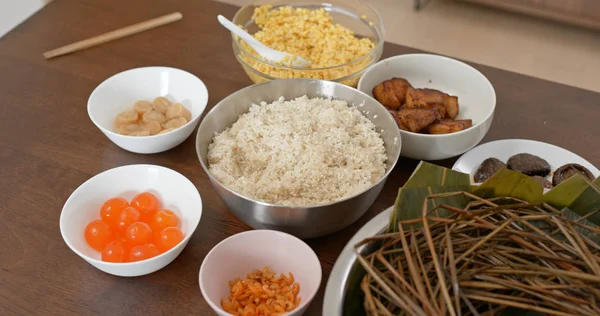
{"points": [[48, 147]]}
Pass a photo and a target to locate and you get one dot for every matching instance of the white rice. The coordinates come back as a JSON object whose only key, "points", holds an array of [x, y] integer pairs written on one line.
{"points": [[299, 152]]}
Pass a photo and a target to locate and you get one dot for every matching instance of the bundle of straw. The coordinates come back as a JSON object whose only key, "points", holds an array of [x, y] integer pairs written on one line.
{"points": [[491, 255]]}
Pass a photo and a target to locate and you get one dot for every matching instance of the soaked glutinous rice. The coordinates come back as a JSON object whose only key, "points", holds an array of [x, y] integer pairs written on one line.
{"points": [[299, 152]]}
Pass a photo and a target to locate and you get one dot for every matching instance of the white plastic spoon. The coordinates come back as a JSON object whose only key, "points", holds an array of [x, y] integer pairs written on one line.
{"points": [[265, 51]]}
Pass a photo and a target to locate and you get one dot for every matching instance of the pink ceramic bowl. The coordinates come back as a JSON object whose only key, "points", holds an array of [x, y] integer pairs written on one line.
{"points": [[240, 254]]}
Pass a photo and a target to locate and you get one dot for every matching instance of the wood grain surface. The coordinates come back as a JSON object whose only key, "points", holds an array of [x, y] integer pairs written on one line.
{"points": [[48, 147]]}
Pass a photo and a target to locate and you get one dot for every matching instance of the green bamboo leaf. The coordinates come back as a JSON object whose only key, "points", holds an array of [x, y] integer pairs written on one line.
{"points": [[428, 179], [567, 192], [510, 184], [569, 214], [430, 175], [409, 203], [578, 194]]}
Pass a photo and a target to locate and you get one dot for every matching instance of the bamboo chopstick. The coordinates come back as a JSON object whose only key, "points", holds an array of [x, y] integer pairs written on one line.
{"points": [[113, 35]]}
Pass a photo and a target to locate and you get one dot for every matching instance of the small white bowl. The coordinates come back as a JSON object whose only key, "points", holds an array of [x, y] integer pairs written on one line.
{"points": [[242, 253], [119, 92], [476, 99], [175, 191]]}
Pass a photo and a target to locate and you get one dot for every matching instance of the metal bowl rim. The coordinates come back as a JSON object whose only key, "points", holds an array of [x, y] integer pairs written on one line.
{"points": [[335, 289], [383, 178]]}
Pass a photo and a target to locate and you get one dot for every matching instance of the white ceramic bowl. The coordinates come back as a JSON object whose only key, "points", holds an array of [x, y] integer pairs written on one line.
{"points": [[119, 92], [476, 98], [242, 253], [175, 191]]}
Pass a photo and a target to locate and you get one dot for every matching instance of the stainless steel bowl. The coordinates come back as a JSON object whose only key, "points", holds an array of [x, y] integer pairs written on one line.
{"points": [[301, 221]]}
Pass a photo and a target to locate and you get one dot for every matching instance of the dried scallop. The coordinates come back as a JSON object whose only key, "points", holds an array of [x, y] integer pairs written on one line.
{"points": [[153, 116], [175, 122], [150, 118], [127, 129], [127, 117], [178, 109], [166, 130], [142, 106], [140, 133], [152, 127], [161, 104]]}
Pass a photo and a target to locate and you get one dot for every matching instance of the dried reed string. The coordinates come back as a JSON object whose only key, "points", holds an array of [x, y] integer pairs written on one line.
{"points": [[479, 260]]}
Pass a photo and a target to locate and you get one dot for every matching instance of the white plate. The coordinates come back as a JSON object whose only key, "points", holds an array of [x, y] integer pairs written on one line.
{"points": [[504, 149]]}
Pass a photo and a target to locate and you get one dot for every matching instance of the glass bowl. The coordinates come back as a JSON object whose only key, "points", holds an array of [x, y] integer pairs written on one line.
{"points": [[355, 15]]}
